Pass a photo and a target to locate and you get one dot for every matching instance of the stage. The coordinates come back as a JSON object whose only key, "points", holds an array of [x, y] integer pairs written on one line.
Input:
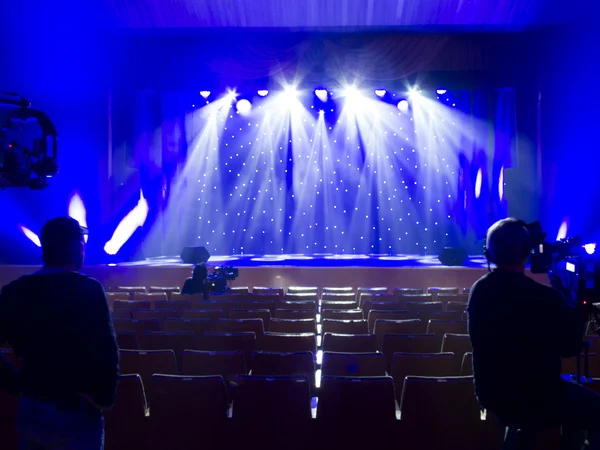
{"points": [[291, 270]]}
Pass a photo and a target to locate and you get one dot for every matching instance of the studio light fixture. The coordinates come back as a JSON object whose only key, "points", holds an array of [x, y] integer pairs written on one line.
{"points": [[322, 94], [244, 107], [403, 105], [380, 93], [205, 94], [263, 92]]}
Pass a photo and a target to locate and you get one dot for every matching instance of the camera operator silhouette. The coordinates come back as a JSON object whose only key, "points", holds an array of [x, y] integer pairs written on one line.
{"points": [[198, 283]]}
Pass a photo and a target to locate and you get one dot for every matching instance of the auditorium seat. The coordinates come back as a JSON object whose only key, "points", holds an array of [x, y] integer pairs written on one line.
{"points": [[416, 298], [293, 325], [287, 342], [138, 326], [339, 304], [188, 410], [371, 290], [426, 316], [198, 326], [409, 326], [273, 298], [227, 342], [159, 314], [424, 306], [255, 326], [337, 290], [263, 314], [211, 314], [400, 314], [466, 368], [131, 305], [367, 403], [345, 326], [164, 340], [166, 289], [286, 364], [178, 305], [121, 314], [341, 314], [304, 305], [187, 297], [339, 297], [225, 364], [152, 298], [301, 296], [408, 343], [254, 305], [353, 364], [302, 289], [442, 327], [126, 422], [257, 396], [423, 364], [212, 304], [376, 297], [127, 340], [242, 290], [369, 306], [268, 291], [131, 290], [440, 413], [458, 344], [146, 363], [466, 290], [456, 307], [291, 314], [408, 291], [455, 298], [349, 343], [112, 296]]}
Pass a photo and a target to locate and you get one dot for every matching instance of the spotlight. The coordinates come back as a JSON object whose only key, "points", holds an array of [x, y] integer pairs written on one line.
{"points": [[441, 91], [403, 105], [350, 91], [380, 93], [414, 92], [231, 95], [263, 92], [205, 94], [290, 94], [322, 94], [321, 113], [590, 249], [244, 107]]}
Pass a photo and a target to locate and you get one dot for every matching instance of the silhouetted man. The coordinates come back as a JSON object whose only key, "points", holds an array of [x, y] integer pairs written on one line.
{"points": [[198, 283], [58, 323], [520, 329]]}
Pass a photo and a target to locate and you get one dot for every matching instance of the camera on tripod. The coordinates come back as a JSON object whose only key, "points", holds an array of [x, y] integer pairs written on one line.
{"points": [[220, 276], [574, 268]]}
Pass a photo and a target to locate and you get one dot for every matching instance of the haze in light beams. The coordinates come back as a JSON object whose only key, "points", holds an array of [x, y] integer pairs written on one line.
{"points": [[563, 230], [134, 219], [31, 235], [77, 211]]}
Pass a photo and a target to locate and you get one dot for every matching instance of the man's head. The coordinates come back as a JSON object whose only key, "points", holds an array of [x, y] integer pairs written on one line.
{"points": [[62, 243], [200, 272], [508, 244]]}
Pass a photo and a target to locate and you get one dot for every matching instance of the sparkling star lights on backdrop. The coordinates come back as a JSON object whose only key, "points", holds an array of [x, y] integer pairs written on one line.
{"points": [[343, 171]]}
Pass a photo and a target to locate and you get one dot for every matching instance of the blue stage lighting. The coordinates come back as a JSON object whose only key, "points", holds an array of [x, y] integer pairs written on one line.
{"points": [[403, 105], [263, 92], [244, 107], [204, 94], [322, 94], [441, 91], [380, 93]]}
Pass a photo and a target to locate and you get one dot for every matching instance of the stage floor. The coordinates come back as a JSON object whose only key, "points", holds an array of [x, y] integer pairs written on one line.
{"points": [[314, 260]]}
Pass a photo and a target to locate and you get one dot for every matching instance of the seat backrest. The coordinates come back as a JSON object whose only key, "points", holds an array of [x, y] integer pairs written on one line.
{"points": [[268, 291], [376, 297], [455, 298], [263, 314], [160, 315], [345, 326], [456, 343], [301, 296], [442, 290], [293, 325], [112, 296], [426, 316], [132, 290], [353, 364], [256, 396], [287, 364], [338, 290], [466, 290], [456, 306], [338, 304], [408, 291], [176, 406], [416, 298], [441, 327], [121, 314], [211, 314], [408, 343], [466, 368], [240, 326], [291, 314], [287, 342], [162, 340], [339, 296], [424, 306], [255, 305], [423, 364], [299, 305], [349, 343], [366, 401], [131, 305], [178, 305], [242, 290], [146, 363], [166, 289], [341, 314], [372, 290], [302, 289], [127, 340], [137, 326], [225, 364], [212, 304], [187, 297], [440, 404], [223, 342], [125, 423], [151, 297], [409, 326], [369, 306], [198, 326], [400, 314]]}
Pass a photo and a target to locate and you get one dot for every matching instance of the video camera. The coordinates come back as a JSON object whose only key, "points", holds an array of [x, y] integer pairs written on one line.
{"points": [[27, 157], [220, 276], [574, 268]]}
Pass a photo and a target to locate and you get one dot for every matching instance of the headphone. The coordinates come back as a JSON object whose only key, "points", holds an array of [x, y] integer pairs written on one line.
{"points": [[527, 244]]}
